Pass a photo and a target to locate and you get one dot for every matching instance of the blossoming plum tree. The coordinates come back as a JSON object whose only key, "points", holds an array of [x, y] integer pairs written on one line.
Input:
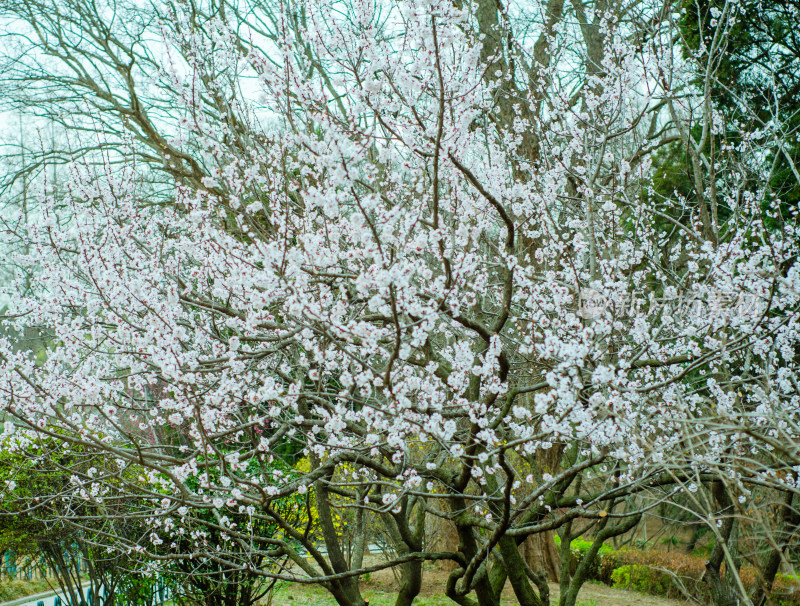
{"points": [[369, 232]]}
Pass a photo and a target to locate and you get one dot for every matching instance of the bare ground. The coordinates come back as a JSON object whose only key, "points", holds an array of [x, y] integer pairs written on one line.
{"points": [[381, 586]]}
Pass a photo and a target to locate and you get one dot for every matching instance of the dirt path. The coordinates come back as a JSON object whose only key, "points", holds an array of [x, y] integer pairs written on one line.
{"points": [[603, 595], [592, 594]]}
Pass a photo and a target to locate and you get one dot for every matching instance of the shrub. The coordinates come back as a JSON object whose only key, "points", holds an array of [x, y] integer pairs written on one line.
{"points": [[645, 579], [601, 567], [661, 573], [786, 590], [668, 574]]}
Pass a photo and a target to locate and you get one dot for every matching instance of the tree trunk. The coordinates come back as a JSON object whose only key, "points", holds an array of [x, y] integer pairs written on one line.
{"points": [[345, 590], [515, 568], [410, 583], [541, 554], [722, 594], [789, 523]]}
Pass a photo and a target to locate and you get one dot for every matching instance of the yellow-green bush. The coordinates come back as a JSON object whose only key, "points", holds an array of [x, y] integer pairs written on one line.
{"points": [[642, 578], [668, 573]]}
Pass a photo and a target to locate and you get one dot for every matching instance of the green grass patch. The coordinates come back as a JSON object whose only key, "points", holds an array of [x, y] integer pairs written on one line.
{"points": [[13, 589]]}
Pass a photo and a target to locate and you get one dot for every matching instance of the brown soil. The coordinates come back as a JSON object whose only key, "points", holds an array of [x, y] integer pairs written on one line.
{"points": [[591, 594]]}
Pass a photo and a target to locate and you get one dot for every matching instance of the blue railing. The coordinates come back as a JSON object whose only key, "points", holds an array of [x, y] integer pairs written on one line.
{"points": [[30, 568], [12, 568]]}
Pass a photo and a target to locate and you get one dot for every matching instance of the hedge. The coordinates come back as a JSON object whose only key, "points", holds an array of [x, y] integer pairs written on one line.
{"points": [[668, 573]]}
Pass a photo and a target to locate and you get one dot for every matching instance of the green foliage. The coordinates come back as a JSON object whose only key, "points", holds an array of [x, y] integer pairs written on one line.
{"points": [[757, 80], [42, 532], [14, 589], [786, 589], [671, 175], [670, 574], [663, 573], [641, 578], [203, 579], [600, 567], [140, 588]]}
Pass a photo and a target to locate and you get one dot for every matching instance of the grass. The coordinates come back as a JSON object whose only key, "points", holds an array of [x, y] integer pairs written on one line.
{"points": [[296, 595], [13, 589], [378, 594], [598, 595]]}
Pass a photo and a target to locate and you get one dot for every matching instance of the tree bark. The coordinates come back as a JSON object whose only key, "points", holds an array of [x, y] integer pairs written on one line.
{"points": [[790, 519], [541, 554], [721, 591]]}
